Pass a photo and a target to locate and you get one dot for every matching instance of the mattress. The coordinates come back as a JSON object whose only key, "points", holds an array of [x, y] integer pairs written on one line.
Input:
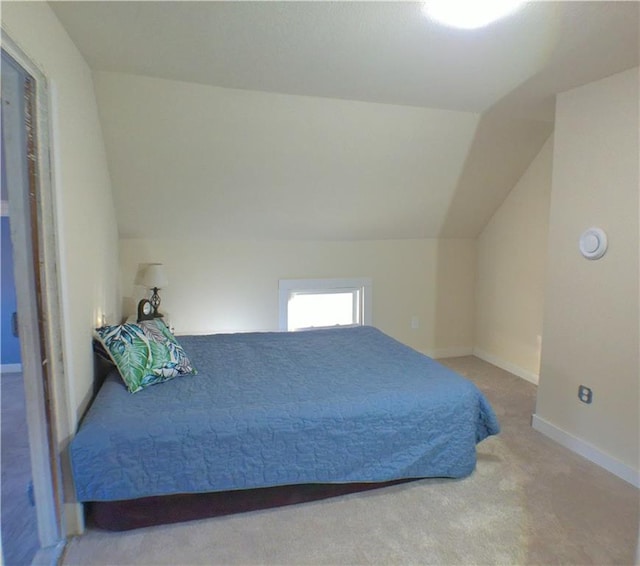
{"points": [[265, 409]]}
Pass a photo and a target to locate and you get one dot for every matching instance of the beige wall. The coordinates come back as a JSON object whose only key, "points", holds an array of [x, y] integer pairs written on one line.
{"points": [[512, 255], [455, 273], [230, 285], [590, 330], [238, 189], [85, 215]]}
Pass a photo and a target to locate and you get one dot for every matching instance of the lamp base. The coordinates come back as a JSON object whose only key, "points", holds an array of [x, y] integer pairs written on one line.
{"points": [[155, 303]]}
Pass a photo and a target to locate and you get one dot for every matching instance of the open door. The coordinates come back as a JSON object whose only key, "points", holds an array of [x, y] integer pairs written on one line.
{"points": [[28, 183]]}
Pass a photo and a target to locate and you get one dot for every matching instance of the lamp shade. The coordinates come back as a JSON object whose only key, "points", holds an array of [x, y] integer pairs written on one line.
{"points": [[155, 276]]}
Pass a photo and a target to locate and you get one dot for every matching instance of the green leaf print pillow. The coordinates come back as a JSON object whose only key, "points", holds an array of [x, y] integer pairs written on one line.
{"points": [[145, 353]]}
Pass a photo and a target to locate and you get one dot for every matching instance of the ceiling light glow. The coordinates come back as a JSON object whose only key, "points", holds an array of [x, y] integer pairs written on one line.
{"points": [[469, 14]]}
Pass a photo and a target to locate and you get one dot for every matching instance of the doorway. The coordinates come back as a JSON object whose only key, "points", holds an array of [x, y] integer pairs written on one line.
{"points": [[18, 521], [27, 181]]}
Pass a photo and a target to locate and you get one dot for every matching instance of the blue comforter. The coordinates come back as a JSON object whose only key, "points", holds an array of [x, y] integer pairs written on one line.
{"points": [[266, 409]]}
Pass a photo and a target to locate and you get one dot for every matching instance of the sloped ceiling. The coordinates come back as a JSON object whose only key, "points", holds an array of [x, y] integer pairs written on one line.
{"points": [[191, 160], [330, 120]]}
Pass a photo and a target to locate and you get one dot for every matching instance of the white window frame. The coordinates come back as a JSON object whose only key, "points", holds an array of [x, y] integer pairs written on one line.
{"points": [[362, 286]]}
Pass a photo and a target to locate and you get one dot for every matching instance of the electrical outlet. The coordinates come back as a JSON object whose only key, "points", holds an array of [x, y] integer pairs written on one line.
{"points": [[415, 322], [585, 394]]}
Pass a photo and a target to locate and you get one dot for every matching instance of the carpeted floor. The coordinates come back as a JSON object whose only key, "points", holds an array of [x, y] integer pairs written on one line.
{"points": [[19, 523], [530, 501]]}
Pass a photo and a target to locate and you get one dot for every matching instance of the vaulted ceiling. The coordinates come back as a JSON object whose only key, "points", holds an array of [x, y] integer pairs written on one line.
{"points": [[373, 84]]}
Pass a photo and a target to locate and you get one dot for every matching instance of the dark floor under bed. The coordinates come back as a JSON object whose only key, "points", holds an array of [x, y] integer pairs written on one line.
{"points": [[149, 511]]}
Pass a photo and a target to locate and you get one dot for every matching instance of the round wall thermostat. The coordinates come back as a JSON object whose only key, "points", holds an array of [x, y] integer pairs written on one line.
{"points": [[593, 243]]}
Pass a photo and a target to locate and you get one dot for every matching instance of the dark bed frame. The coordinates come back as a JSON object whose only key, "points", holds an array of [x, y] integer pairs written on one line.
{"points": [[149, 511]]}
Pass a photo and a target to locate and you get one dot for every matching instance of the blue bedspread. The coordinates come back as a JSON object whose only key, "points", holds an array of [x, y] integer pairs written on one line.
{"points": [[266, 409]]}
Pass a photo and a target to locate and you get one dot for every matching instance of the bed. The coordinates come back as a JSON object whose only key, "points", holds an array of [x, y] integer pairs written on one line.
{"points": [[270, 416]]}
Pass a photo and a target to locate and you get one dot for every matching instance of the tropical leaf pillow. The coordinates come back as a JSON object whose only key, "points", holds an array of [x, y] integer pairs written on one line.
{"points": [[145, 353]]}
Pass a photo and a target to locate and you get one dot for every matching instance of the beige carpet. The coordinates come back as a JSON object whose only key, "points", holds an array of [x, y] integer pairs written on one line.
{"points": [[530, 501]]}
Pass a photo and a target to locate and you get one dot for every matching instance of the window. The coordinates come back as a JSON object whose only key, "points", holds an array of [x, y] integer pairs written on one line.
{"points": [[321, 303]]}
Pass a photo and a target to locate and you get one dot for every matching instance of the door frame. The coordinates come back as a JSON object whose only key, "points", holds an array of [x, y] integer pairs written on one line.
{"points": [[34, 238]]}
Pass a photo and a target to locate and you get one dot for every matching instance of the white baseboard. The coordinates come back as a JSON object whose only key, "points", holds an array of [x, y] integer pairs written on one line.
{"points": [[586, 450], [507, 366], [10, 368], [451, 352]]}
